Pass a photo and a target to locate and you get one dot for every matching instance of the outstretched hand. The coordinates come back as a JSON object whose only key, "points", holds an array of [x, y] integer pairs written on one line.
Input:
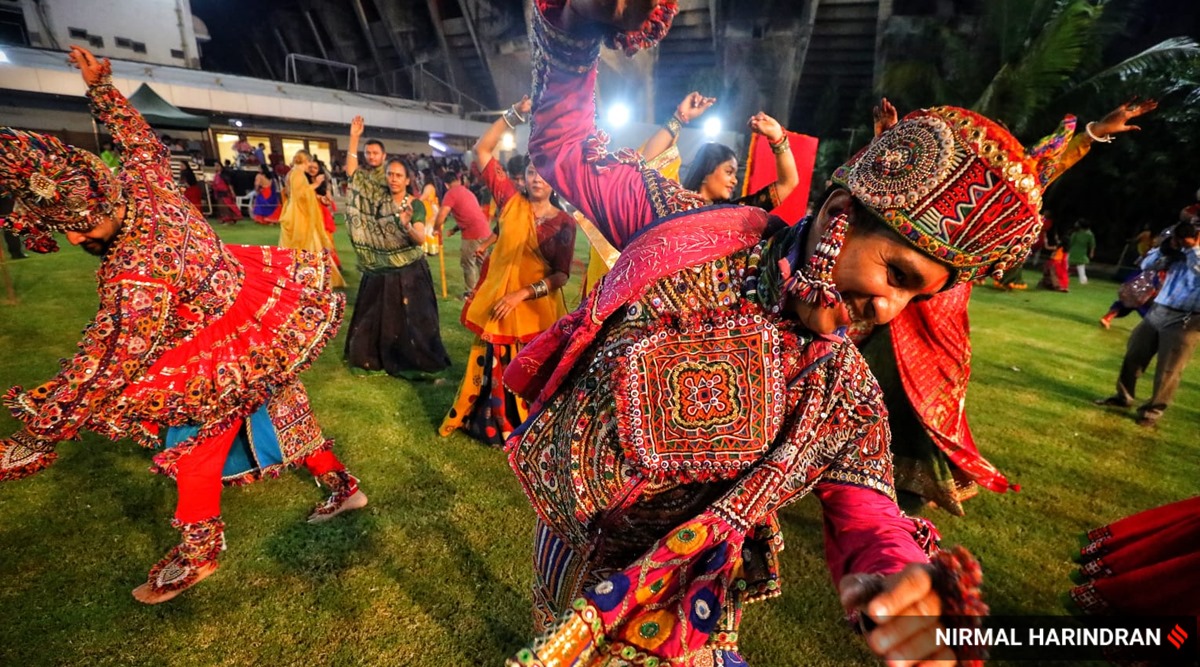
{"points": [[1115, 121], [884, 116], [693, 106], [93, 70], [357, 126], [906, 610]]}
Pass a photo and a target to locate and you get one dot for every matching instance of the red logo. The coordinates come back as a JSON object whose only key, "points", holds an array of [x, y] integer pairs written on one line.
{"points": [[1177, 637]]}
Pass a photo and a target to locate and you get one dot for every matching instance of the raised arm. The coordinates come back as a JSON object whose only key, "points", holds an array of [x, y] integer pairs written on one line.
{"points": [[787, 177], [357, 125], [138, 142], [564, 144], [485, 147], [692, 107], [494, 176]]}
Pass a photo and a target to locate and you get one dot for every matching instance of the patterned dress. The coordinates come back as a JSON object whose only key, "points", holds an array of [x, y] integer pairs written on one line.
{"points": [[395, 327], [190, 333], [678, 410], [527, 250]]}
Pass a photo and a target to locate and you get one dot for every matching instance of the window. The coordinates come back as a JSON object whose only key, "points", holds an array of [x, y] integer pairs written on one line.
{"points": [[123, 42], [95, 41], [77, 33], [177, 53], [138, 47]]}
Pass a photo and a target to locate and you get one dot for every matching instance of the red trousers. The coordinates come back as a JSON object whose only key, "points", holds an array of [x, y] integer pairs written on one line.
{"points": [[198, 475]]}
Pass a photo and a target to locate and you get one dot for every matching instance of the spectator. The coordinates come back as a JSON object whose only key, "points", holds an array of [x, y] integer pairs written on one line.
{"points": [[260, 154], [470, 218], [1171, 329], [110, 157], [1081, 249]]}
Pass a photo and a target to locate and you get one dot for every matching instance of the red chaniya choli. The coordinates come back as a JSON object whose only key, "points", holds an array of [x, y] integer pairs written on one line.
{"points": [[190, 332]]}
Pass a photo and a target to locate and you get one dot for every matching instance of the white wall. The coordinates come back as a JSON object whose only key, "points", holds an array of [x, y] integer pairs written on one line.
{"points": [[162, 25]]}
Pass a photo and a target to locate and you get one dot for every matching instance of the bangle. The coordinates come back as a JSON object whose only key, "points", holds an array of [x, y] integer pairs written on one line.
{"points": [[676, 116], [1107, 138], [782, 146], [674, 126], [540, 289], [513, 118]]}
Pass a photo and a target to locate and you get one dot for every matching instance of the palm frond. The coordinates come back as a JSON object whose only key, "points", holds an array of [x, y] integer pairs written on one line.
{"points": [[1045, 66], [1168, 52]]}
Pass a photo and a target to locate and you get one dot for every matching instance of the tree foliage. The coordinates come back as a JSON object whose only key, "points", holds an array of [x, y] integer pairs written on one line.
{"points": [[1027, 63]]}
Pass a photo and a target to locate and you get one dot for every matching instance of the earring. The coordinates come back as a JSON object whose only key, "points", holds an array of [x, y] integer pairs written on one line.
{"points": [[814, 283]]}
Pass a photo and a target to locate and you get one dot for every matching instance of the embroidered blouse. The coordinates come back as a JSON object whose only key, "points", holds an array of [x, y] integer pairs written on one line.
{"points": [[586, 458]]}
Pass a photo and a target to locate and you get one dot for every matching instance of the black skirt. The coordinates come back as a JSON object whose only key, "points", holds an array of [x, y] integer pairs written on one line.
{"points": [[395, 324]]}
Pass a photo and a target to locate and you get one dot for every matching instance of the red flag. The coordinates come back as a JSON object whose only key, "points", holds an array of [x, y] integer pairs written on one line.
{"points": [[760, 172]]}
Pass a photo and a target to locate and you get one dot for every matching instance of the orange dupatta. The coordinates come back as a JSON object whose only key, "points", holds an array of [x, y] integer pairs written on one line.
{"points": [[516, 262]]}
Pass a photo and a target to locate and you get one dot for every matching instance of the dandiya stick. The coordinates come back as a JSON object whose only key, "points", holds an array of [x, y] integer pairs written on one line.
{"points": [[442, 263]]}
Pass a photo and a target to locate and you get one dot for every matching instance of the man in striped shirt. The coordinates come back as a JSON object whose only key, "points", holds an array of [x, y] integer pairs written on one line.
{"points": [[1171, 328]]}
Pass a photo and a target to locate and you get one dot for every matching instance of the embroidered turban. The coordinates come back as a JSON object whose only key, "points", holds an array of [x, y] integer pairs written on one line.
{"points": [[57, 188], [957, 186]]}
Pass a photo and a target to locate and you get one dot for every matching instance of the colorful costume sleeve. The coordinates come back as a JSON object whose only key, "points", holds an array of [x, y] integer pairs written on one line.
{"points": [[496, 180], [616, 192], [865, 532], [140, 147], [116, 347]]}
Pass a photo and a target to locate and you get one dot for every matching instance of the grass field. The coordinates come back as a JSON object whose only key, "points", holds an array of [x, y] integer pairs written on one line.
{"points": [[436, 570]]}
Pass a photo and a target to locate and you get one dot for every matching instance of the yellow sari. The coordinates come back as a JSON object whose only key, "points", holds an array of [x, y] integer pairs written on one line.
{"points": [[515, 263], [484, 408], [430, 199], [302, 226]]}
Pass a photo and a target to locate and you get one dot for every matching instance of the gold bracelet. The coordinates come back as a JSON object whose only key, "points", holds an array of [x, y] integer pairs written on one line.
{"points": [[674, 126], [540, 289], [782, 147]]}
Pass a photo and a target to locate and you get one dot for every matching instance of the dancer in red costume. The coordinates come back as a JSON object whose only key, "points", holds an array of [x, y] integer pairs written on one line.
{"points": [[1144, 564], [204, 339], [706, 382], [922, 359]]}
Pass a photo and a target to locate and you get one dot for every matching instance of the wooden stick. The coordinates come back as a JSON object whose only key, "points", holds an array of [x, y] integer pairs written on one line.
{"points": [[442, 263], [10, 295]]}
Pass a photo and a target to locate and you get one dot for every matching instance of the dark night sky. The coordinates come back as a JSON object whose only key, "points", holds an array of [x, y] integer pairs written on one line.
{"points": [[1150, 21]]}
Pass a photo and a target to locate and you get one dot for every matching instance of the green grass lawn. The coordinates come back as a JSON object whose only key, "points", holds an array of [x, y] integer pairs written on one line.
{"points": [[436, 570]]}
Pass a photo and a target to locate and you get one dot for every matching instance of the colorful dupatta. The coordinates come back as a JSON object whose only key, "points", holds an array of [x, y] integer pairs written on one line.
{"points": [[516, 262]]}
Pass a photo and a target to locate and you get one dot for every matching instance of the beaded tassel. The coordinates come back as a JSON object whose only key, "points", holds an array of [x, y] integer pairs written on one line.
{"points": [[814, 283]]}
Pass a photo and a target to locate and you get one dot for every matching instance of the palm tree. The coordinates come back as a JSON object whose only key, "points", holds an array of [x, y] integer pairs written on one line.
{"points": [[1021, 59]]}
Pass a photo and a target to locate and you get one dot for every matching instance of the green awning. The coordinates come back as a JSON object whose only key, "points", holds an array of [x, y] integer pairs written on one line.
{"points": [[162, 114]]}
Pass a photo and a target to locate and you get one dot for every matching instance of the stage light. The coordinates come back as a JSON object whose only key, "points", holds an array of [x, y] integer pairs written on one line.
{"points": [[712, 127], [438, 146], [619, 115], [235, 123], [508, 142]]}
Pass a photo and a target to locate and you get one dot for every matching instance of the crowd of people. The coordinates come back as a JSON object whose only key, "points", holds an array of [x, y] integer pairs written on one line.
{"points": [[724, 363]]}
